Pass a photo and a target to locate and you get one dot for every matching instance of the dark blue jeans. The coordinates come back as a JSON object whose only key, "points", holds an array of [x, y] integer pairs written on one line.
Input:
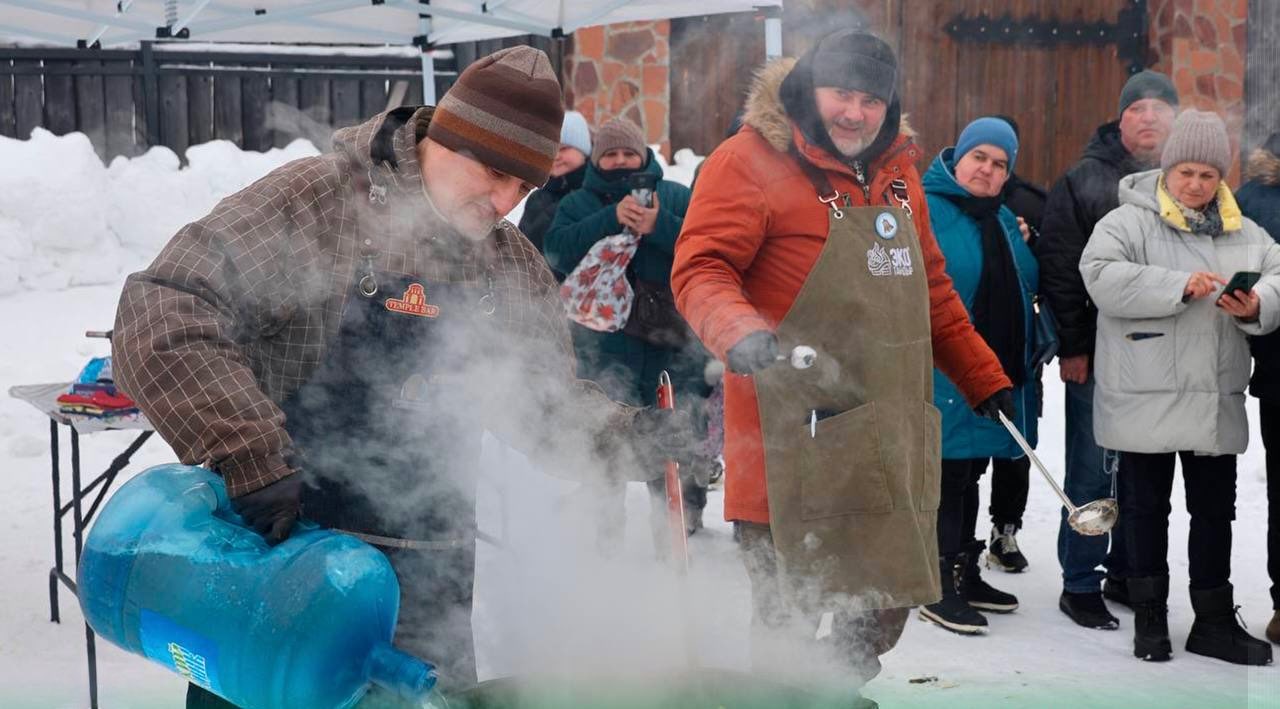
{"points": [[1090, 475]]}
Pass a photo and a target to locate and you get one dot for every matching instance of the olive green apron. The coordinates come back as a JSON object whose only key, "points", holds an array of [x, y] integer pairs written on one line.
{"points": [[852, 459]]}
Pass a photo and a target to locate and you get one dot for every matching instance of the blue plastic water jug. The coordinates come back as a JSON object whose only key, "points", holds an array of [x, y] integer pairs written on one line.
{"points": [[169, 572]]}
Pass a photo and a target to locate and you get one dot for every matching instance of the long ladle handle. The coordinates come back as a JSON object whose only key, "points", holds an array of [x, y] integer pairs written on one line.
{"points": [[1026, 448]]}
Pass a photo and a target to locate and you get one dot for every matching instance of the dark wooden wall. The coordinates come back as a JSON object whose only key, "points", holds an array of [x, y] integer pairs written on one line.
{"points": [[713, 59], [256, 101], [1058, 93]]}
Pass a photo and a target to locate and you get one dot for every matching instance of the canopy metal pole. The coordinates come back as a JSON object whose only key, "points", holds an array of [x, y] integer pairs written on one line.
{"points": [[773, 33], [184, 22], [428, 62]]}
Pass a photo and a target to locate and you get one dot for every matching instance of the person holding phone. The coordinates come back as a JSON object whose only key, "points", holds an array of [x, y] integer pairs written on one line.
{"points": [[622, 190], [1170, 271]]}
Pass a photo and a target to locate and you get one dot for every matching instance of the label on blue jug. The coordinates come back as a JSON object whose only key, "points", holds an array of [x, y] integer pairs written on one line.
{"points": [[182, 650]]}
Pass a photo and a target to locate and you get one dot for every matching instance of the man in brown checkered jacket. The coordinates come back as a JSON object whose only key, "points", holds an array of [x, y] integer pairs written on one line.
{"points": [[335, 338]]}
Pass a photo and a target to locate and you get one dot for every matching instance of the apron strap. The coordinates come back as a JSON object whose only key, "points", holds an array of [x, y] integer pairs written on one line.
{"points": [[826, 193], [898, 190]]}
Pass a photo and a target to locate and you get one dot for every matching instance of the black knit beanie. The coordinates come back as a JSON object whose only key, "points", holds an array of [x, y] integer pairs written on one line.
{"points": [[1148, 84], [869, 66], [858, 61]]}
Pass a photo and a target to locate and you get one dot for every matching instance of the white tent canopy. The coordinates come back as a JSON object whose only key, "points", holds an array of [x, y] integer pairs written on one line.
{"points": [[114, 22]]}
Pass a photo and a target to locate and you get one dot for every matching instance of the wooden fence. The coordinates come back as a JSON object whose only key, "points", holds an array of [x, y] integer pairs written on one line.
{"points": [[164, 94]]}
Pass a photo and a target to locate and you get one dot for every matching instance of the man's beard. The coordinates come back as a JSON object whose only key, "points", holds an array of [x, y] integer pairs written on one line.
{"points": [[852, 147]]}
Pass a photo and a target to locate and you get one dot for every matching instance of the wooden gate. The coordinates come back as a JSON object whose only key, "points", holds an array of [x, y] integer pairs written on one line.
{"points": [[1055, 66]]}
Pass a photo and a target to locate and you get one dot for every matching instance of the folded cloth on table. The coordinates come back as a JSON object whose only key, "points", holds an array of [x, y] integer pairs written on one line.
{"points": [[94, 393]]}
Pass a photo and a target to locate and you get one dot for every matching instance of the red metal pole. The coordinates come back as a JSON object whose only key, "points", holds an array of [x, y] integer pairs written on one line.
{"points": [[675, 498]]}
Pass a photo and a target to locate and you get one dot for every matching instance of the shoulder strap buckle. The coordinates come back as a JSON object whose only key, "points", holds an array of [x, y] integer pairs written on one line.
{"points": [[898, 188], [832, 201]]}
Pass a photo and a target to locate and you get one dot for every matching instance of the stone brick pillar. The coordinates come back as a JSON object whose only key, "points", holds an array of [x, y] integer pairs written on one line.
{"points": [[1201, 45], [622, 70]]}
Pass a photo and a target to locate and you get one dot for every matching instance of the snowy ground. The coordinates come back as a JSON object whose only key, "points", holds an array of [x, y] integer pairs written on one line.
{"points": [[1032, 658], [542, 597]]}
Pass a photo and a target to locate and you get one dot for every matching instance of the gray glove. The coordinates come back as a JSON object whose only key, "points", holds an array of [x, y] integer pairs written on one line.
{"points": [[753, 352]]}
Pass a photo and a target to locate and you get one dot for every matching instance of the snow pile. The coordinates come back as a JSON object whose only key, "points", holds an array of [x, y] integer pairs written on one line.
{"points": [[684, 164], [68, 220]]}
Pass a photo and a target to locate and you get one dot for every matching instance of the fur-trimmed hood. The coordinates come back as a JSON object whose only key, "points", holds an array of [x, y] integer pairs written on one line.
{"points": [[1264, 166], [766, 114]]}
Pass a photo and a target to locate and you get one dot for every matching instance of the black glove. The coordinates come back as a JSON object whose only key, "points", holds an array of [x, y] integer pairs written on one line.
{"points": [[754, 352], [662, 435], [998, 403], [272, 510]]}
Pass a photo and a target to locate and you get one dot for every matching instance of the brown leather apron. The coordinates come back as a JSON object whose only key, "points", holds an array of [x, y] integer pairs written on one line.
{"points": [[852, 444]]}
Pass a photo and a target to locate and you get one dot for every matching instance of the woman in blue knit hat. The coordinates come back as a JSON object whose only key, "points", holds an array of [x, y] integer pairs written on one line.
{"points": [[995, 275]]}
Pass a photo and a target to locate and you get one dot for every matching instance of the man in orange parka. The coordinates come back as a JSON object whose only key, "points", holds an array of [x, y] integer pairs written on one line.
{"points": [[809, 227]]}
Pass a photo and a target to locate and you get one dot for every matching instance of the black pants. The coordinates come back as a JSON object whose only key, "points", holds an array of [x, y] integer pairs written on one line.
{"points": [[1270, 421], [958, 509], [1010, 482], [1146, 482]]}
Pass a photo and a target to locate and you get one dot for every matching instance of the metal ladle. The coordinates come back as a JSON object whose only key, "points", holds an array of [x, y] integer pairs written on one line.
{"points": [[1091, 519]]}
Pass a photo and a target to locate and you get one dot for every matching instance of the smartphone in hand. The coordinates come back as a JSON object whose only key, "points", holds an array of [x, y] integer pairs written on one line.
{"points": [[642, 185], [1242, 280]]}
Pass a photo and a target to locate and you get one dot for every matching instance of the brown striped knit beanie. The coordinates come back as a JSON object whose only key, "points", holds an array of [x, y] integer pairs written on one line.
{"points": [[505, 110]]}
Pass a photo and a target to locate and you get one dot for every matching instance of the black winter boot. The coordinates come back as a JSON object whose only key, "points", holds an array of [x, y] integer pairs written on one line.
{"points": [[979, 593], [1116, 590], [1216, 632], [1149, 596], [952, 612], [1088, 610]]}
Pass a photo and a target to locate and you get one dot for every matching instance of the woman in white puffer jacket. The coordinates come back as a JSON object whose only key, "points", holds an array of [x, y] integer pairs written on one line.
{"points": [[1172, 364]]}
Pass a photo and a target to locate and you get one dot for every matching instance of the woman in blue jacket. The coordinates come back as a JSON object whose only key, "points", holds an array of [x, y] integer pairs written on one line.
{"points": [[995, 275]]}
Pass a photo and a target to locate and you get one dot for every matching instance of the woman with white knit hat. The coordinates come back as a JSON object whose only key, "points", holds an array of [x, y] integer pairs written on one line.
{"points": [[567, 172], [1172, 366]]}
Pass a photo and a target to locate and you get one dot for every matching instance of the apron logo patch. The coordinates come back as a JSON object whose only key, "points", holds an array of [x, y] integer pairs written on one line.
{"points": [[901, 261], [878, 261], [413, 302], [889, 262], [886, 225]]}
